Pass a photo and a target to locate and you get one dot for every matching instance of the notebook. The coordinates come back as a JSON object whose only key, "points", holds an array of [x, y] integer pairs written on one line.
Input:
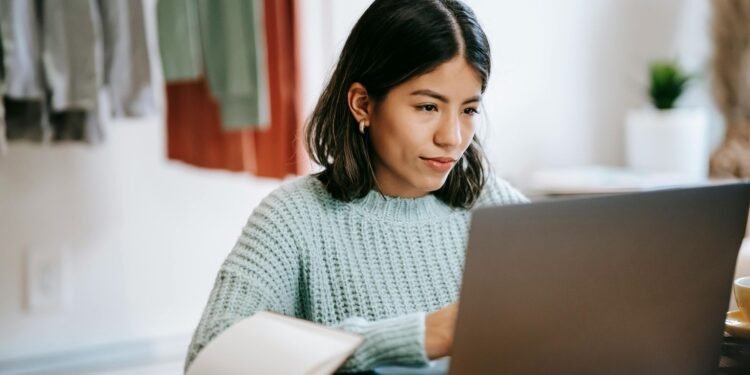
{"points": [[270, 343]]}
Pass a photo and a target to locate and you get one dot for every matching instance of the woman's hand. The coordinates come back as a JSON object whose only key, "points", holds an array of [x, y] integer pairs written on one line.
{"points": [[439, 327]]}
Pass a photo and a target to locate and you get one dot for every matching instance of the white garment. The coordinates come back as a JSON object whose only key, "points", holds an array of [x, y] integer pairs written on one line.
{"points": [[22, 49], [127, 71]]}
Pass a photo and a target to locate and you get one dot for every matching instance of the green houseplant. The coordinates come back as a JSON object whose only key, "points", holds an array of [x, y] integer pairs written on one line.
{"points": [[667, 83], [663, 137]]}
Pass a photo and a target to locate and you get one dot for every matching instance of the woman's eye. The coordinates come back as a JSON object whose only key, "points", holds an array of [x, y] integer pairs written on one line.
{"points": [[427, 107], [471, 111]]}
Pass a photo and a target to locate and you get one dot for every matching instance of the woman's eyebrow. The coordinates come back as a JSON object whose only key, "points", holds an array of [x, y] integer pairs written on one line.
{"points": [[442, 98]]}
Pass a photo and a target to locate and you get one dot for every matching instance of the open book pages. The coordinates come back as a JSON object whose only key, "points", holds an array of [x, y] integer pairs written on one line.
{"points": [[269, 343]]}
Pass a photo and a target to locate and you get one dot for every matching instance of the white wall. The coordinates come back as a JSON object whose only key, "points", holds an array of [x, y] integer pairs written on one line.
{"points": [[146, 235]]}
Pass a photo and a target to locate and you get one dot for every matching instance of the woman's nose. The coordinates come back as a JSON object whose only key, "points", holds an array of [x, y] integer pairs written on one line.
{"points": [[449, 132]]}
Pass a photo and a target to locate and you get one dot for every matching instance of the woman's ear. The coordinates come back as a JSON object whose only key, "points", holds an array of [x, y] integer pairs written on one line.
{"points": [[359, 102]]}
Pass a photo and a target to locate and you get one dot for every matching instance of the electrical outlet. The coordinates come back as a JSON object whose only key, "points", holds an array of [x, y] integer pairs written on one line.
{"points": [[46, 279]]}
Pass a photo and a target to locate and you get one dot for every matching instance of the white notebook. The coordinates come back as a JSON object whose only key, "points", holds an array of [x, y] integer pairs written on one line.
{"points": [[269, 343]]}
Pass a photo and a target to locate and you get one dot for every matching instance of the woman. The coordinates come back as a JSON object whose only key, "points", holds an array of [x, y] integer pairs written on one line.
{"points": [[374, 244]]}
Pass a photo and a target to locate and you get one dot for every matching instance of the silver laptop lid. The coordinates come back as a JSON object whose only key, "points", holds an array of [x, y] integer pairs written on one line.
{"points": [[625, 284]]}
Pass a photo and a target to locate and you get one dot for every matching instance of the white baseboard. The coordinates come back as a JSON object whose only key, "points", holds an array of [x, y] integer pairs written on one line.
{"points": [[103, 358]]}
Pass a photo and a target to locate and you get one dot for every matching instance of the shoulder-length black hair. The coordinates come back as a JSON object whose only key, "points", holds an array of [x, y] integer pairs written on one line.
{"points": [[394, 41]]}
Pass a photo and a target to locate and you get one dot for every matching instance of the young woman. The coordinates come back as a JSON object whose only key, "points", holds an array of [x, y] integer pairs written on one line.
{"points": [[374, 244]]}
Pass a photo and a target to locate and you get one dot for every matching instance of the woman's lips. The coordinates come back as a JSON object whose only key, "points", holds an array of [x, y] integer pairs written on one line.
{"points": [[440, 164]]}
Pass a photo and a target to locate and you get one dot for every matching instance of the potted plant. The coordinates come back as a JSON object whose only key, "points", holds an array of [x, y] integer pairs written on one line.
{"points": [[662, 138]]}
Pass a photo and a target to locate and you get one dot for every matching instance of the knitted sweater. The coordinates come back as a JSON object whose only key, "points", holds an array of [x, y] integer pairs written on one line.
{"points": [[374, 266]]}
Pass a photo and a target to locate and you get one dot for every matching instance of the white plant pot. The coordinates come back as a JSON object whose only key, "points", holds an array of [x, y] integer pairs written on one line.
{"points": [[668, 141]]}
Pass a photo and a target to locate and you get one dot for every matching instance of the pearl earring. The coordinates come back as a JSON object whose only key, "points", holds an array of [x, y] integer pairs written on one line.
{"points": [[362, 126]]}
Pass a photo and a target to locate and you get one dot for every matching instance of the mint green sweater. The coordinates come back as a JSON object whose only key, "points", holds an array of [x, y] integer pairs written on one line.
{"points": [[374, 266]]}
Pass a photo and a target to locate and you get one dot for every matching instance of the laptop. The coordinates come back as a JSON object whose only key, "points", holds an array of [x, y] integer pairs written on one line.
{"points": [[622, 284]]}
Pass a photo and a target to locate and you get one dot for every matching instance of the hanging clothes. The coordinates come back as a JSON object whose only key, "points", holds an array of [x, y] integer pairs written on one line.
{"points": [[22, 49], [3, 142], [24, 89], [69, 53], [60, 54], [235, 62], [277, 148], [225, 42], [196, 130], [194, 133], [71, 58], [127, 67], [179, 40]]}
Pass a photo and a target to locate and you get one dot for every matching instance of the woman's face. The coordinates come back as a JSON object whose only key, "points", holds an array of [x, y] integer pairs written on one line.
{"points": [[422, 127]]}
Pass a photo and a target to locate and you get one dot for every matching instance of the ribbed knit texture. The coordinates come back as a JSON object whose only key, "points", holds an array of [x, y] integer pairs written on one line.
{"points": [[374, 266]]}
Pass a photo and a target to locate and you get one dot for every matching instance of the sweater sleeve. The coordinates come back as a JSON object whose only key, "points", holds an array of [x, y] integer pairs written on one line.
{"points": [[260, 273], [397, 341]]}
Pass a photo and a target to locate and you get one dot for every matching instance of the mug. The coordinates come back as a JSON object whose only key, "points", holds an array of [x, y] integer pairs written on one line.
{"points": [[742, 295]]}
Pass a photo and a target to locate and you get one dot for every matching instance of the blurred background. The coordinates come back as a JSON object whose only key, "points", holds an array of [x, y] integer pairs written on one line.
{"points": [[139, 138]]}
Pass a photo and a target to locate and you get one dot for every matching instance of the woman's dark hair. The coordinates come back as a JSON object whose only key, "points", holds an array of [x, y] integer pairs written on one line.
{"points": [[394, 41]]}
